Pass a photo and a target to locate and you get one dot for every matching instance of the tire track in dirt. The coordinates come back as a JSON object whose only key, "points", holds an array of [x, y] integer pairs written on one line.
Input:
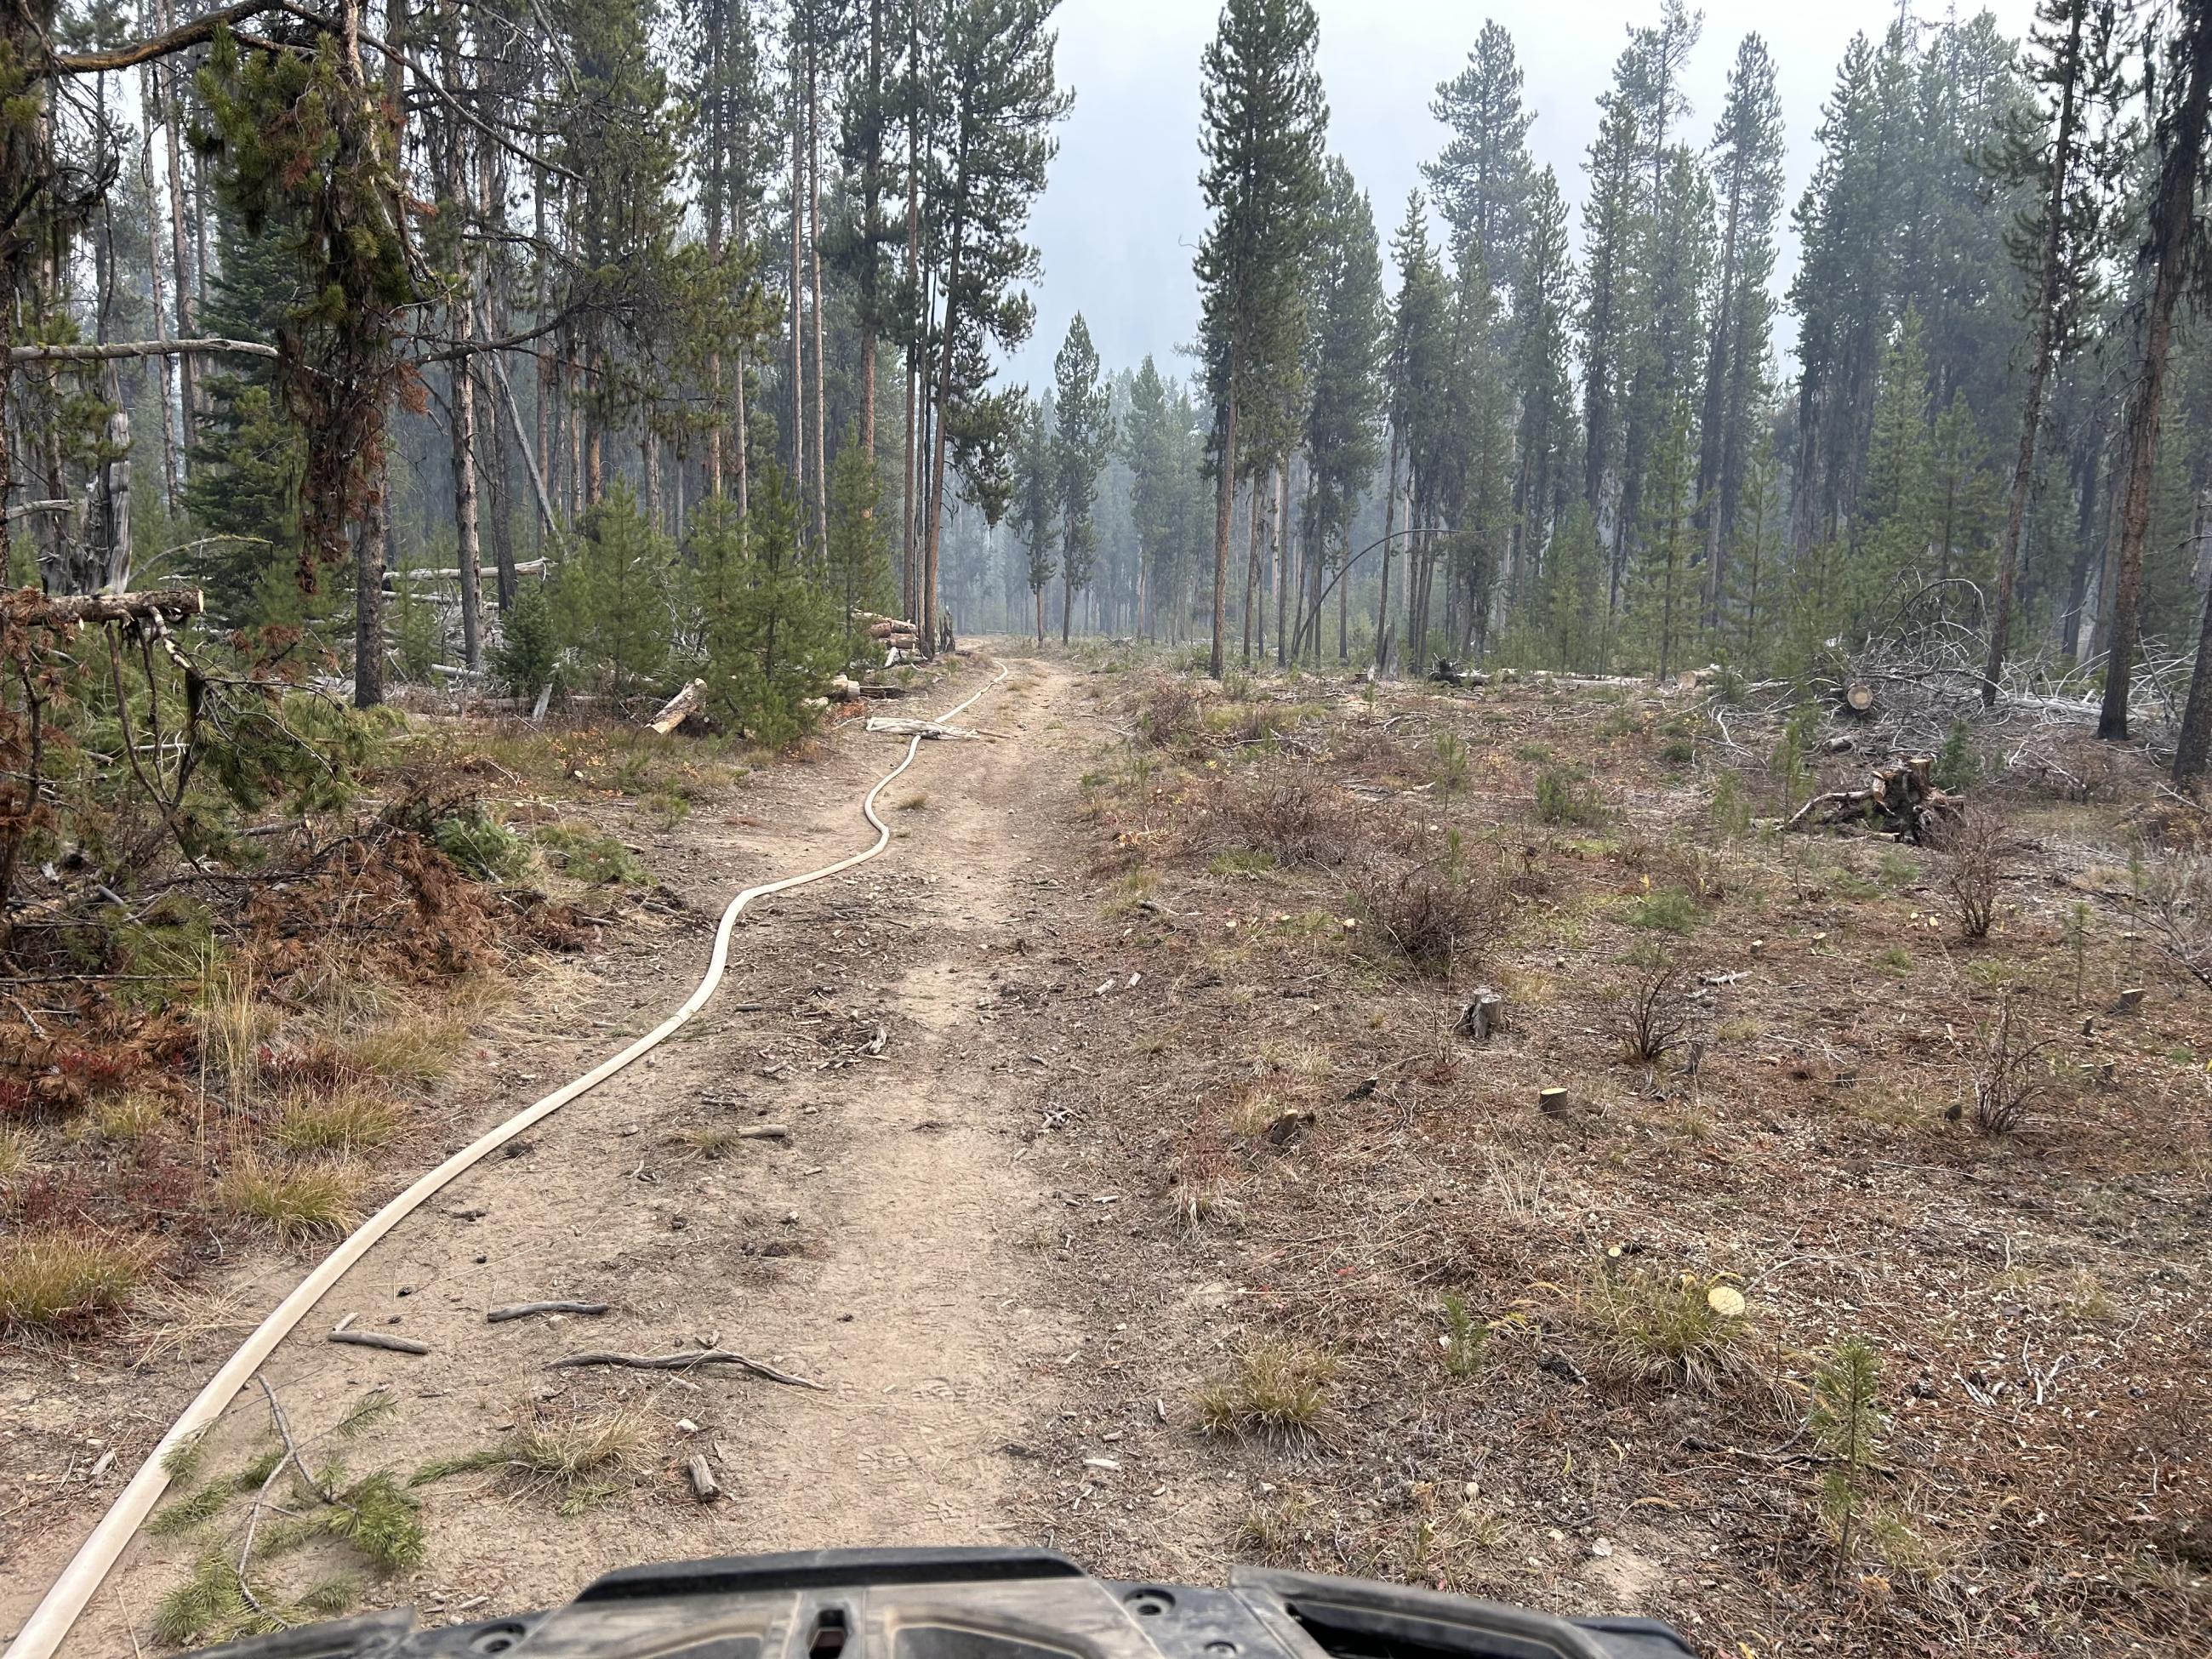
{"points": [[879, 1249]]}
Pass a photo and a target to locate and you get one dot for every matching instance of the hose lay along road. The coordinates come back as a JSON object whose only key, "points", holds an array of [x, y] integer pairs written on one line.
{"points": [[42, 1633]]}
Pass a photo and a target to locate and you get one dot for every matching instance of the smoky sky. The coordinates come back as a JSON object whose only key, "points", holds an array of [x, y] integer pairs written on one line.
{"points": [[1121, 217]]}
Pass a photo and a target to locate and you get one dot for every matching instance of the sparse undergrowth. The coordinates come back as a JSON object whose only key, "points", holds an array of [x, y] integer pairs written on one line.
{"points": [[1813, 1053]]}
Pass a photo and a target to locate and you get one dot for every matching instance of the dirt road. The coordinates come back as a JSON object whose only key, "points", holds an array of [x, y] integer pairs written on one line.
{"points": [[880, 1239]]}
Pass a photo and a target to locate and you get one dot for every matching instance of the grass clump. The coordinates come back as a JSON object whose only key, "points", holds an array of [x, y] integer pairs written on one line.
{"points": [[295, 1201], [15, 1153], [585, 855], [1684, 1331], [577, 1462], [347, 1122], [416, 1048], [1564, 799], [1241, 861], [1280, 1390], [52, 1281], [132, 1118]]}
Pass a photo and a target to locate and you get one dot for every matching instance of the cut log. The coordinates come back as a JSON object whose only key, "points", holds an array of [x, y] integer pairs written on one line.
{"points": [[1691, 679], [702, 1479], [679, 708], [1859, 699], [167, 602], [1839, 746]]}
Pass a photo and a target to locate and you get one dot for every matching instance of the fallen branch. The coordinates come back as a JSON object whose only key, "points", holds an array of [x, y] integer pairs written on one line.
{"points": [[685, 1362], [379, 1340], [526, 1309], [116, 607], [113, 350], [899, 725]]}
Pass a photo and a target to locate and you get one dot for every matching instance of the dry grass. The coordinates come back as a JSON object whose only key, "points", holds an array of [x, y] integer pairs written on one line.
{"points": [[52, 1281], [352, 1121], [578, 1459], [132, 1118], [18, 1153], [295, 1201], [1280, 1391], [1652, 1328]]}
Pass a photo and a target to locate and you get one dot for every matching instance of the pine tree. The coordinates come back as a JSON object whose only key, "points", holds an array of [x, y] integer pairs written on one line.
{"points": [[1963, 494], [1343, 411], [1542, 449], [1036, 503], [2176, 238], [1574, 593], [1847, 1423], [1153, 439], [773, 632], [1747, 176], [2073, 59], [1664, 598], [1611, 224], [610, 604], [1083, 438], [859, 550], [1262, 121], [1895, 527], [1000, 99], [1753, 598], [1481, 179]]}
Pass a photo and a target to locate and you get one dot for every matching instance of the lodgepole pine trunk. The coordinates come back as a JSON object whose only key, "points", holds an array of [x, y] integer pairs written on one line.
{"points": [[2038, 373]]}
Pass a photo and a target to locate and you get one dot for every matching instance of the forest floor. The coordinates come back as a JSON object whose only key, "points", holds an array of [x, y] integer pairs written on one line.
{"points": [[1138, 1193]]}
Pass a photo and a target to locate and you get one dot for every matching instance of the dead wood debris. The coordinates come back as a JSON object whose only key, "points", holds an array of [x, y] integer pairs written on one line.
{"points": [[685, 1362]]}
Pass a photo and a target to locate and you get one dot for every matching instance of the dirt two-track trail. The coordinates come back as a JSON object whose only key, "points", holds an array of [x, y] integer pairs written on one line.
{"points": [[884, 1245]]}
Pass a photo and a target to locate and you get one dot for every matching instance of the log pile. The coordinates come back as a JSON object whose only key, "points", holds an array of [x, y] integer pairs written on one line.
{"points": [[1903, 800], [1449, 672], [900, 638]]}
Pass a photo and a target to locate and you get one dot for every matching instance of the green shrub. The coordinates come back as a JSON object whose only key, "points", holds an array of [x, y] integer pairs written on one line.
{"points": [[585, 855], [1958, 767], [1562, 798], [529, 649], [1669, 909], [772, 635], [480, 848]]}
